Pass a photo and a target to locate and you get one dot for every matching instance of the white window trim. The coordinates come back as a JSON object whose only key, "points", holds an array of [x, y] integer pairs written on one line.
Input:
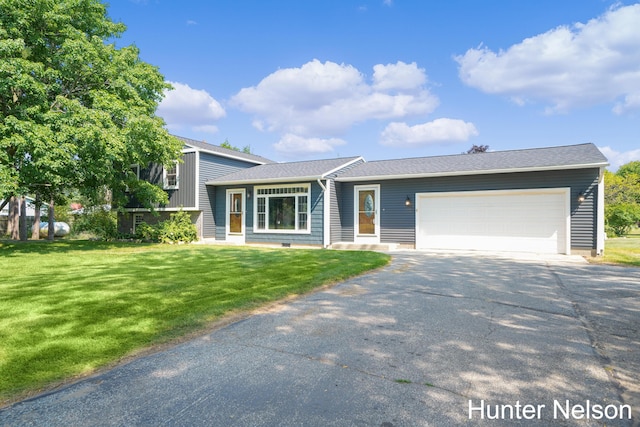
{"points": [[133, 217], [267, 196], [165, 183]]}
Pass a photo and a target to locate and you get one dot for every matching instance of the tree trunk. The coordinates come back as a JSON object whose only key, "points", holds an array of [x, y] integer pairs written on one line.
{"points": [[13, 227], [23, 219], [35, 235], [52, 230]]}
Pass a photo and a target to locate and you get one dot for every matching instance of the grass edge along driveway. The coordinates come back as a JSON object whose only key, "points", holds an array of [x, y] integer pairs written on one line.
{"points": [[71, 307]]}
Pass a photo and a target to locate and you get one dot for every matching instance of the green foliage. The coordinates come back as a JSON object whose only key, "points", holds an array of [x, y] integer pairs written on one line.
{"points": [[226, 144], [100, 223], [630, 168], [621, 218], [75, 111], [622, 199], [177, 229]]}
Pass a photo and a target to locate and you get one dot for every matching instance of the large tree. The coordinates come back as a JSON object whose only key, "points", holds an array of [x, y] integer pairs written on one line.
{"points": [[622, 199], [76, 111]]}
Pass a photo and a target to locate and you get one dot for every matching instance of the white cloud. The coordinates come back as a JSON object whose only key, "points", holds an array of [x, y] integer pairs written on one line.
{"points": [[617, 159], [567, 67], [185, 107], [398, 76], [294, 146], [328, 98], [437, 131]]}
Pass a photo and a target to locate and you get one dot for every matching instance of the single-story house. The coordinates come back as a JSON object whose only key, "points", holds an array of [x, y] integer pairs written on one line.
{"points": [[548, 200]]}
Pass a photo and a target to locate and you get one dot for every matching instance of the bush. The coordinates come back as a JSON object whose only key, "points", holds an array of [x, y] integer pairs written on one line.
{"points": [[178, 228], [621, 218], [103, 224]]}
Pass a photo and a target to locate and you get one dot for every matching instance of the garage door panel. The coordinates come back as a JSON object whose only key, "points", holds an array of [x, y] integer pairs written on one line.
{"points": [[509, 221]]}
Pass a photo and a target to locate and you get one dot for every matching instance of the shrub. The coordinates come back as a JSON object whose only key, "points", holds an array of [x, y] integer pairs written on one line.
{"points": [[103, 224], [178, 228]]}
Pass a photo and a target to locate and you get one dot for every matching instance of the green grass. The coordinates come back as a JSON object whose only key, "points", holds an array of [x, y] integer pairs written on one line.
{"points": [[70, 307], [622, 250]]}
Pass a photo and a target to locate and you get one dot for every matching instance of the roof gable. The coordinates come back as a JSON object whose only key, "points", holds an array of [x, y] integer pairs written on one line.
{"points": [[284, 172], [224, 152]]}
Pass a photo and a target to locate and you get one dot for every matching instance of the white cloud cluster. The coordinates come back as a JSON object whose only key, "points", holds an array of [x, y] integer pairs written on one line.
{"points": [[293, 146], [436, 131], [185, 107], [617, 159], [567, 67], [326, 99]]}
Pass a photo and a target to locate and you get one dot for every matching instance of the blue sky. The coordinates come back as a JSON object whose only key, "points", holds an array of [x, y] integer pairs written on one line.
{"points": [[309, 79]]}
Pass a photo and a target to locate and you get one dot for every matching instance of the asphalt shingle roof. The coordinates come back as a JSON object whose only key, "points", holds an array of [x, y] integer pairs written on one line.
{"points": [[279, 172], [224, 151], [565, 157]]}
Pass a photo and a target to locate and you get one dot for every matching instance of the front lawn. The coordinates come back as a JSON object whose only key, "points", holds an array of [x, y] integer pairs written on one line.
{"points": [[70, 307], [622, 250]]}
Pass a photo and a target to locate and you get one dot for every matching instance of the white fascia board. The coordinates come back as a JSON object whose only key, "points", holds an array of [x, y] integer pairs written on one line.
{"points": [[216, 153], [467, 173], [342, 166], [265, 180]]}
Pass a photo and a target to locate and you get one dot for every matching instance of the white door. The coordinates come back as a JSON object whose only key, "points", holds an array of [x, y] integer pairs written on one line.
{"points": [[366, 214], [235, 216], [510, 220]]}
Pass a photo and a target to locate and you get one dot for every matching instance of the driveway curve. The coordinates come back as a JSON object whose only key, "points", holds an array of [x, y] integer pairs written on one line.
{"points": [[433, 339]]}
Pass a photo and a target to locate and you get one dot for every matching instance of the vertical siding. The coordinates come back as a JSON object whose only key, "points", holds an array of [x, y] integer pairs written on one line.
{"points": [[397, 221], [184, 196]]}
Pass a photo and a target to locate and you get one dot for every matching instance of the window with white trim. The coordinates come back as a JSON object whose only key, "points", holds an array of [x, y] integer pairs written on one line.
{"points": [[135, 171], [137, 220], [282, 208], [170, 177]]}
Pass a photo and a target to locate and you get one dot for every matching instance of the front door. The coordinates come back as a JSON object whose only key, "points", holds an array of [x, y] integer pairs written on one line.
{"points": [[367, 217], [235, 215]]}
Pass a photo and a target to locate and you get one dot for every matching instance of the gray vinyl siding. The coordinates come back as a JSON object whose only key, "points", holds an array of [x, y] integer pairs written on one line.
{"points": [[317, 215], [397, 221], [185, 194], [211, 167], [335, 206]]}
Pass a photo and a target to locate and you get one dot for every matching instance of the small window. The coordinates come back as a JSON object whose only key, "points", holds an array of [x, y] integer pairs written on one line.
{"points": [[170, 177], [137, 220]]}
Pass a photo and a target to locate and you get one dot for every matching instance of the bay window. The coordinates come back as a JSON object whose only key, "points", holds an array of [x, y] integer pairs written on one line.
{"points": [[282, 208]]}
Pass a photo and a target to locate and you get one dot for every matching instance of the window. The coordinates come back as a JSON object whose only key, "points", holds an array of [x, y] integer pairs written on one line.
{"points": [[170, 177], [137, 220], [282, 209]]}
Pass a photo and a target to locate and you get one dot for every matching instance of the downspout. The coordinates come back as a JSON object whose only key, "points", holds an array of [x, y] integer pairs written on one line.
{"points": [[326, 214], [600, 233]]}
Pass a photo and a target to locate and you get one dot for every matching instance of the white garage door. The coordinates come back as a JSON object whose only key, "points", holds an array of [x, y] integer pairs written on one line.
{"points": [[514, 221]]}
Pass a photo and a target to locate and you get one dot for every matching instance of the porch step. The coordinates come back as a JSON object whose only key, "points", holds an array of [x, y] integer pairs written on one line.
{"points": [[361, 247]]}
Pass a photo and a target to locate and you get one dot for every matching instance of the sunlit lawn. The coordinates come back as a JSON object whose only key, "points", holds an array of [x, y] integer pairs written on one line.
{"points": [[68, 308], [622, 250]]}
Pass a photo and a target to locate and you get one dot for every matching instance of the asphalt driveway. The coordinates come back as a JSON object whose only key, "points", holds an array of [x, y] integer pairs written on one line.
{"points": [[432, 339]]}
